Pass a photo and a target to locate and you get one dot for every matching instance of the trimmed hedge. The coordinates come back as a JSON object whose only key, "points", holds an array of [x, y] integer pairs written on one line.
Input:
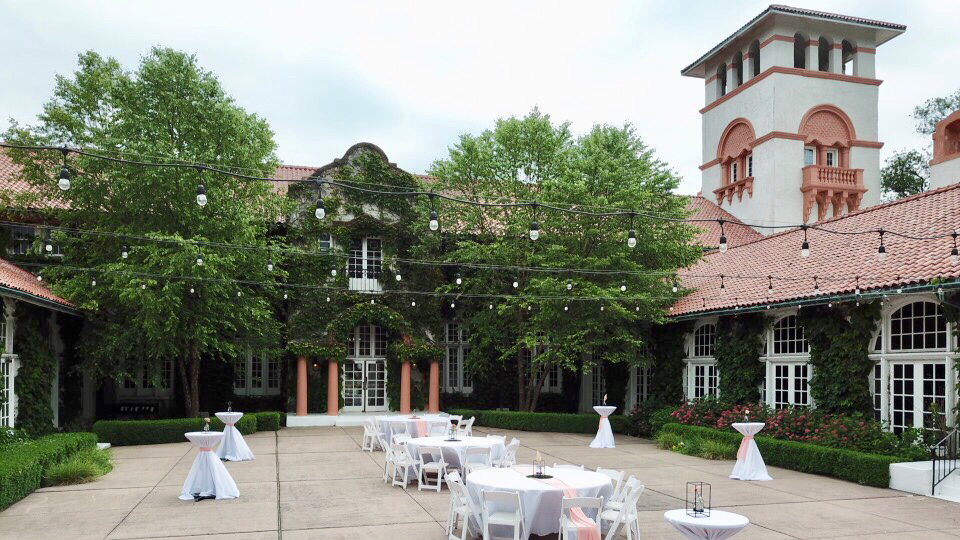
{"points": [[866, 469], [130, 432], [268, 421], [556, 422], [22, 465]]}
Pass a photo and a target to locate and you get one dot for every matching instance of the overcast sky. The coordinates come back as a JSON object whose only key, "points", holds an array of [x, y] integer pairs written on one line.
{"points": [[412, 76]]}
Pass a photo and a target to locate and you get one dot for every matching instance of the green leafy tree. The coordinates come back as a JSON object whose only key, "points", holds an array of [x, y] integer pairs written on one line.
{"points": [[159, 303], [907, 172], [534, 159]]}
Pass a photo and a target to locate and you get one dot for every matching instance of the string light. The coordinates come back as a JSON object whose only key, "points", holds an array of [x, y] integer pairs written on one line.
{"points": [[64, 181], [954, 254], [238, 294], [534, 226], [270, 264], [191, 290], [333, 270], [434, 222], [453, 305], [399, 277], [459, 280], [676, 286], [285, 296], [857, 289], [881, 250], [39, 277], [566, 307], [490, 306], [199, 258], [48, 245], [723, 238], [623, 286], [93, 283], [723, 289], [516, 283], [201, 191], [413, 303], [805, 246], [124, 251], [632, 235], [569, 285], [769, 285], [321, 211], [816, 286]]}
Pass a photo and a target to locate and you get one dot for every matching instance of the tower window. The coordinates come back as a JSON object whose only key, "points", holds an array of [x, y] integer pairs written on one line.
{"points": [[755, 57], [721, 80], [831, 158], [750, 165], [738, 68], [823, 54], [848, 51], [799, 51], [809, 156], [733, 171]]}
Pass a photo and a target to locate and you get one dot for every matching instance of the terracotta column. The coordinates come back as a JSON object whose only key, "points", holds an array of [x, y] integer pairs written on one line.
{"points": [[333, 389], [845, 157], [405, 388], [301, 386], [434, 404]]}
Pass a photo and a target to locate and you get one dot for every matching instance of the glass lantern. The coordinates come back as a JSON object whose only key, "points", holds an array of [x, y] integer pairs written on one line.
{"points": [[698, 499]]}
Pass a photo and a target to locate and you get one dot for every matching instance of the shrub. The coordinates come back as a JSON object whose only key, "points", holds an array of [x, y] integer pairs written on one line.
{"points": [[23, 465], [667, 440], [859, 467], [553, 422], [129, 432], [13, 435], [713, 449], [268, 421], [646, 418], [84, 466]]}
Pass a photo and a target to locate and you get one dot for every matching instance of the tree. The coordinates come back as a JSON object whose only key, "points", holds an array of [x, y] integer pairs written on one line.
{"points": [[531, 158], [159, 303], [907, 172]]}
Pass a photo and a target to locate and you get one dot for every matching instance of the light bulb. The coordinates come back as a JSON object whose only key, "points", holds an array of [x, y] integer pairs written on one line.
{"points": [[48, 246], [270, 265], [723, 244], [601, 308], [637, 308], [490, 306], [529, 308], [39, 278], [93, 283], [399, 277], [321, 211], [723, 290], [534, 230], [413, 303], [623, 287], [372, 301], [238, 294], [143, 286], [285, 296], [881, 253], [769, 290], [328, 299], [64, 182], [676, 286], [459, 280], [201, 196], [434, 222], [125, 252], [805, 249], [565, 308], [516, 284], [632, 238], [569, 285], [453, 304], [333, 271], [199, 261], [191, 290], [954, 256]]}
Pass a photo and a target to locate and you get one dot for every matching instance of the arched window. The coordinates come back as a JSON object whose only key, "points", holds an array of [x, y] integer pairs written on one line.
{"points": [[734, 153], [755, 58], [799, 51], [823, 54], [918, 326], [738, 69], [788, 337], [721, 80], [704, 339], [848, 51]]}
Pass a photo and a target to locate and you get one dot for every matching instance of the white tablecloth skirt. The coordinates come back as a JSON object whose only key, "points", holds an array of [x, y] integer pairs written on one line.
{"points": [[750, 465], [719, 526], [233, 447], [208, 476], [604, 438], [455, 453], [541, 502]]}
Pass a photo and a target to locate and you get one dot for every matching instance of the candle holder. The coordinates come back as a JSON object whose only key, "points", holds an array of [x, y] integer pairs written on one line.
{"points": [[206, 424], [453, 430], [698, 499]]}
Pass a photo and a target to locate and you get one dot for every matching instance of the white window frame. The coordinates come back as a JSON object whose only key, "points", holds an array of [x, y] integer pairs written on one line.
{"points": [[734, 171], [809, 156], [793, 386], [831, 157], [710, 378], [639, 384], [696, 349], [802, 343], [457, 348], [367, 264], [137, 387], [749, 165], [264, 364]]}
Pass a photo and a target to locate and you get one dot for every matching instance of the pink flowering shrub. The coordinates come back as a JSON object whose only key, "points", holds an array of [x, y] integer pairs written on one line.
{"points": [[853, 432]]}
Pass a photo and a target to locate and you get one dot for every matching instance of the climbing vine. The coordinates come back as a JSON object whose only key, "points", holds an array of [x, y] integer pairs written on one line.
{"points": [[737, 351], [839, 340], [37, 364], [666, 363]]}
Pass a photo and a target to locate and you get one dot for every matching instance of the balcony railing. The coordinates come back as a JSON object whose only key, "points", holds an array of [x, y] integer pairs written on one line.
{"points": [[831, 186], [365, 280], [734, 188]]}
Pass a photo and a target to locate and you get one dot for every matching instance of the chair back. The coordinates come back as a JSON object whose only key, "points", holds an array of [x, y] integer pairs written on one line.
{"points": [[478, 454], [438, 429], [511, 455], [433, 452], [383, 441], [567, 466], [628, 485], [457, 417], [582, 502], [397, 428], [508, 501], [616, 477], [454, 476], [626, 513]]}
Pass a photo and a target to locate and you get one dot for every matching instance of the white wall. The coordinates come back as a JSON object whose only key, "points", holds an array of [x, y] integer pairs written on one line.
{"points": [[945, 173]]}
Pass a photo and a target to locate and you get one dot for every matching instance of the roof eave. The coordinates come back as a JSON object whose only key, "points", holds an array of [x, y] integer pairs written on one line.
{"points": [[39, 300]]}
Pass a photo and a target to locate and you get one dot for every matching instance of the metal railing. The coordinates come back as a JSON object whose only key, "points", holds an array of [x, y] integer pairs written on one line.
{"points": [[944, 458]]}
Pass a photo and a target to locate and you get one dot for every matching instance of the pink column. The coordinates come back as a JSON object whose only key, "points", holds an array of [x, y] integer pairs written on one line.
{"points": [[434, 404], [333, 389], [302, 386], [405, 388]]}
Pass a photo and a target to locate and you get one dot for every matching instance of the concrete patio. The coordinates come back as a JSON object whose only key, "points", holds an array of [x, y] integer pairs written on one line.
{"points": [[316, 483]]}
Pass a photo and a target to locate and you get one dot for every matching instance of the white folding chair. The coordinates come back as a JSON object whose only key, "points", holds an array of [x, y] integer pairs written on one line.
{"points": [[476, 459], [462, 508], [567, 466], [397, 428], [571, 523], [370, 433], [502, 508], [387, 459], [402, 462], [503, 438], [616, 477], [435, 466], [437, 429], [465, 428], [625, 516], [616, 503], [509, 458]]}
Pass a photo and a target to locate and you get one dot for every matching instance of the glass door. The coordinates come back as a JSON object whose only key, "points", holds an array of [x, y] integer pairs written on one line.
{"points": [[353, 385], [375, 387]]}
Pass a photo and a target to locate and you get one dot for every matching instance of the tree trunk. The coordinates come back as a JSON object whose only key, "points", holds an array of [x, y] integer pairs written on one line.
{"points": [[534, 390], [190, 380], [521, 392]]}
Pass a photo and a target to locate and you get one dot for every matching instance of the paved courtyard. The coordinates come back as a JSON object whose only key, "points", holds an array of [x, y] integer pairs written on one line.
{"points": [[316, 483]]}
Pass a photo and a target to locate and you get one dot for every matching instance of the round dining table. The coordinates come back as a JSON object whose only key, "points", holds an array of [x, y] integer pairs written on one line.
{"points": [[455, 452], [233, 447], [540, 499], [719, 525], [208, 477], [416, 426]]}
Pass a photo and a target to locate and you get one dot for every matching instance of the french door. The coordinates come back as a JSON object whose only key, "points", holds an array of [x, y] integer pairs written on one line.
{"points": [[365, 385], [918, 389]]}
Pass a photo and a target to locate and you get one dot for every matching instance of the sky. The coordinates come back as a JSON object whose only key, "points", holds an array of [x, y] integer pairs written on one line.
{"points": [[412, 76]]}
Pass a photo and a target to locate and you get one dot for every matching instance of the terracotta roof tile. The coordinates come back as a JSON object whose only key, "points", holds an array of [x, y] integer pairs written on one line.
{"points": [[14, 277], [710, 236], [836, 259]]}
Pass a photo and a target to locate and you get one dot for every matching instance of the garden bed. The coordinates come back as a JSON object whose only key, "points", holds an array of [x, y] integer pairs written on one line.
{"points": [[171, 430], [23, 465], [553, 422]]}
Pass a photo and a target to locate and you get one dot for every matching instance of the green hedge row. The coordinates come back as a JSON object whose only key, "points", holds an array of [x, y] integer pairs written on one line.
{"points": [[129, 432], [558, 422], [866, 469], [269, 421], [22, 465]]}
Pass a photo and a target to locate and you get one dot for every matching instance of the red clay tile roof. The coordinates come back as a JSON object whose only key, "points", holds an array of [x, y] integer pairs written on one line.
{"points": [[14, 277], [11, 184], [710, 237], [836, 259]]}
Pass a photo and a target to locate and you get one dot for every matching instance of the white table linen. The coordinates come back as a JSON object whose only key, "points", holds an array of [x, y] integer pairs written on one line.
{"points": [[604, 438], [208, 476], [416, 427], [455, 452], [750, 465], [540, 501], [233, 447], [719, 526]]}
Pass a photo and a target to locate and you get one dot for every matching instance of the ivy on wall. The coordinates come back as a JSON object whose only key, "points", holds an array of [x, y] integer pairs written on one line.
{"points": [[667, 343], [38, 363], [737, 352], [839, 340]]}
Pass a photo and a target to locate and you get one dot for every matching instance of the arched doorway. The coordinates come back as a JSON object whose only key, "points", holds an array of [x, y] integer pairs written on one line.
{"points": [[364, 379]]}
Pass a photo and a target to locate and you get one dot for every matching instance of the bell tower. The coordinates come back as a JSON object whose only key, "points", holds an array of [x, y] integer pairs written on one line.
{"points": [[789, 130]]}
